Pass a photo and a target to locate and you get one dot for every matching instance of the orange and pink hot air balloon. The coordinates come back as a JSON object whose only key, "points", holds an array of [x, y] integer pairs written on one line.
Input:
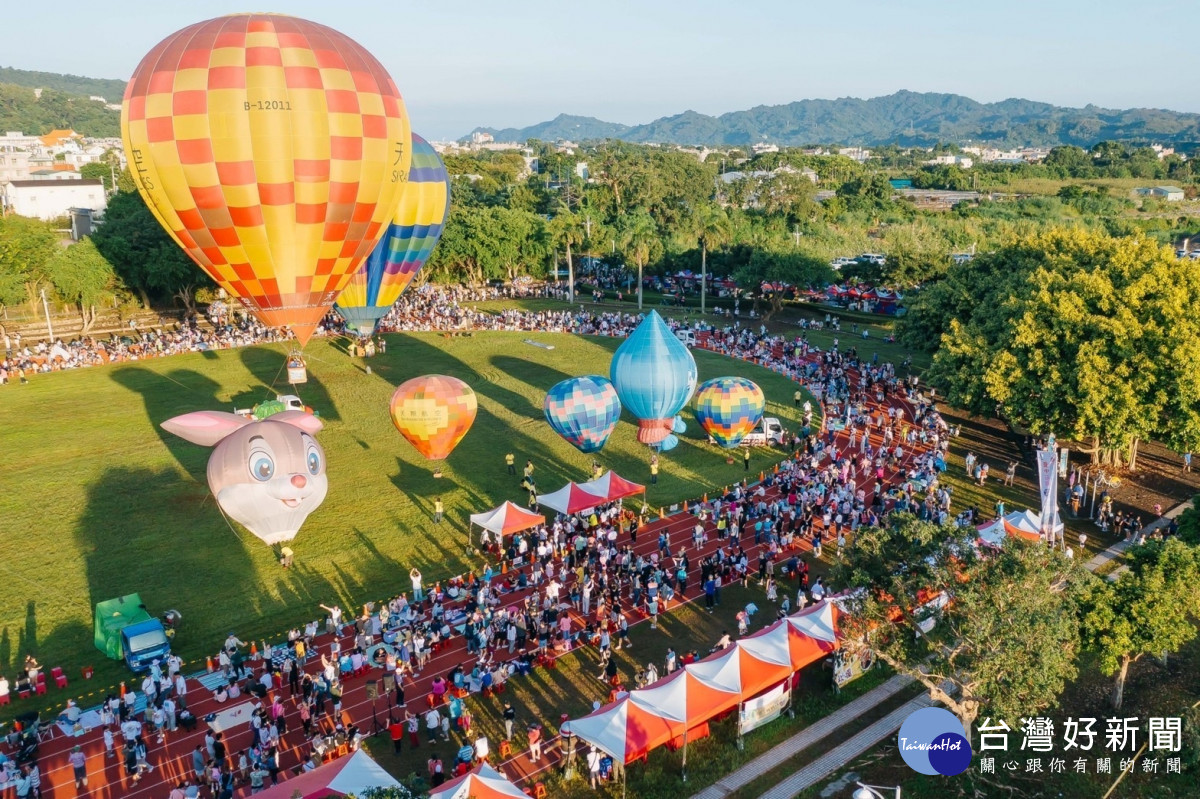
{"points": [[434, 412], [274, 151]]}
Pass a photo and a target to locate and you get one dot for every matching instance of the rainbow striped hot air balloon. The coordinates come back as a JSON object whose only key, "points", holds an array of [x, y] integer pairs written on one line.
{"points": [[728, 408], [405, 247], [274, 151], [654, 375], [583, 410], [434, 412]]}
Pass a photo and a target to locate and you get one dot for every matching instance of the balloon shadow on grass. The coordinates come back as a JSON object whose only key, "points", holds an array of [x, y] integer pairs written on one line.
{"points": [[168, 394], [147, 531], [535, 375], [268, 365]]}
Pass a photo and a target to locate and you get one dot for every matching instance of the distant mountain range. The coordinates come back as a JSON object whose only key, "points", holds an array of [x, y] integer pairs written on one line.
{"points": [[110, 90], [906, 118]]}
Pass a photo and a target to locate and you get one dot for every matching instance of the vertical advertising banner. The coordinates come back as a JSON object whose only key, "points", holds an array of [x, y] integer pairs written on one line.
{"points": [[1047, 464]]}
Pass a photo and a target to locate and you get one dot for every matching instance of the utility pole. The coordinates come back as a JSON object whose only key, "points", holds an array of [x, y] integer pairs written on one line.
{"points": [[49, 326]]}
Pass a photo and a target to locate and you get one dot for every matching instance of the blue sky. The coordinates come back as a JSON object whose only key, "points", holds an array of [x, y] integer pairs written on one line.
{"points": [[467, 63]]}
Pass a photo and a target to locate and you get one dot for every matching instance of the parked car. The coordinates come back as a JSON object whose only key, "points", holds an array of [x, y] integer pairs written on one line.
{"points": [[686, 336]]}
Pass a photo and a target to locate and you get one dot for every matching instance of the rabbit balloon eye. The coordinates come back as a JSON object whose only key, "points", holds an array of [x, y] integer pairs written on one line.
{"points": [[262, 466], [314, 460]]}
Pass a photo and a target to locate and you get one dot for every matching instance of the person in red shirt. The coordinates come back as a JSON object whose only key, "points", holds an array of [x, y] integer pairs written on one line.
{"points": [[396, 730]]}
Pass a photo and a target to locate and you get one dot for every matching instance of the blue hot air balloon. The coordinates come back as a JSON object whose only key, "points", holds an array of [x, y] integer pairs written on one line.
{"points": [[583, 410], [678, 426], [654, 375]]}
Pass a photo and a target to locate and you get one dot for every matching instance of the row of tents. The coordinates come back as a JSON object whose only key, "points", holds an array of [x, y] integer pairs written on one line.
{"points": [[510, 518], [665, 711]]}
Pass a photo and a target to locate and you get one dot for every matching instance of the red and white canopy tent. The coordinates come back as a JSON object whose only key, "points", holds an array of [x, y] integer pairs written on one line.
{"points": [[1020, 523], [650, 717], [571, 498], [342, 777], [612, 487], [482, 783], [507, 519]]}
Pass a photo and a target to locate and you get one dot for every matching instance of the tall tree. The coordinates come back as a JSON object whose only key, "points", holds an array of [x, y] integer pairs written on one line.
{"points": [[566, 229], [1150, 609], [713, 230], [26, 247], [957, 622], [1073, 332], [640, 240], [82, 277], [142, 254], [775, 266]]}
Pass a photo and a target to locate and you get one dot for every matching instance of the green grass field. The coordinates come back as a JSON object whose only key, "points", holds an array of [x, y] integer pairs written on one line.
{"points": [[98, 501]]}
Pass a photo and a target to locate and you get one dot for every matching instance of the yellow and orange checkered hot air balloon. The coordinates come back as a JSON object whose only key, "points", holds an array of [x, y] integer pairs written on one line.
{"points": [[434, 412], [274, 151]]}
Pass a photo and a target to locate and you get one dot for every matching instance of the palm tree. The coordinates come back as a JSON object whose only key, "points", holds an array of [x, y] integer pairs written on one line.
{"points": [[638, 236], [567, 229], [712, 228]]}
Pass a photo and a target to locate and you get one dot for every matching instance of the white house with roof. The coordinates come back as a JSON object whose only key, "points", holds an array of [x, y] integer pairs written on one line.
{"points": [[51, 199]]}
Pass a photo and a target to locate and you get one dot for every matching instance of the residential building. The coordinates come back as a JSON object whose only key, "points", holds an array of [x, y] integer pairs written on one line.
{"points": [[54, 173], [51, 199], [950, 159], [14, 163], [855, 153], [1172, 194]]}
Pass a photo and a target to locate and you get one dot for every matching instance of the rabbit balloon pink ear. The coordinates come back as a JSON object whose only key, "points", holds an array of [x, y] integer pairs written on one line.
{"points": [[305, 421], [206, 428]]}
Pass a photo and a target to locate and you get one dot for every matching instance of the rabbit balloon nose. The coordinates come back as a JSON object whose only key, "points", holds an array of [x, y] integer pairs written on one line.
{"points": [[299, 481]]}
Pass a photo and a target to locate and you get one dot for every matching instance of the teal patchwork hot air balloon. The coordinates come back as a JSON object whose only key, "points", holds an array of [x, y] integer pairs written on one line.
{"points": [[583, 410]]}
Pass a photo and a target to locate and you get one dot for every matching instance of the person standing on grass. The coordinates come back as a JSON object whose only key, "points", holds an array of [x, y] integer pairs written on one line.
{"points": [[654, 469], [418, 592], [509, 461], [510, 718], [438, 511], [746, 459]]}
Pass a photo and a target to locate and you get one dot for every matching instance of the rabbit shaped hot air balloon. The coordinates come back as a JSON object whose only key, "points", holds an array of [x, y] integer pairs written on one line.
{"points": [[269, 475]]}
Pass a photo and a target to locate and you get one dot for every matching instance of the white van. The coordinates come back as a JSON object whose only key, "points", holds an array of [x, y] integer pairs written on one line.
{"points": [[767, 431], [686, 336]]}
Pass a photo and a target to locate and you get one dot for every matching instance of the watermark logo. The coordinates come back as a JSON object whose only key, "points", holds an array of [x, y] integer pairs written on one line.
{"points": [[932, 741]]}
